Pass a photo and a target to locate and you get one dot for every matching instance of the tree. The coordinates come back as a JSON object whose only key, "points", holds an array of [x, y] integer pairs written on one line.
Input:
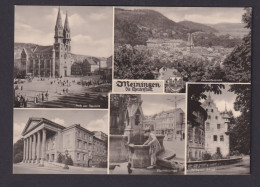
{"points": [[197, 92], [18, 151], [240, 132], [131, 63], [237, 65]]}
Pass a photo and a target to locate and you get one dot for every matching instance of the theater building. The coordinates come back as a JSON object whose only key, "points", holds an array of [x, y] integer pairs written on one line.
{"points": [[44, 140]]}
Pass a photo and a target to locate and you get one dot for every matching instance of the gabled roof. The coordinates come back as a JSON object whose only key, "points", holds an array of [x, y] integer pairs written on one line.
{"points": [[91, 61], [34, 122], [28, 51], [43, 49]]}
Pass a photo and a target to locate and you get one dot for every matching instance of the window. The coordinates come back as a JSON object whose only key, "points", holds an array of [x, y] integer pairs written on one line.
{"points": [[212, 110], [209, 103], [209, 116], [218, 126], [221, 138], [215, 138], [84, 157], [218, 150], [216, 117], [207, 126], [78, 156]]}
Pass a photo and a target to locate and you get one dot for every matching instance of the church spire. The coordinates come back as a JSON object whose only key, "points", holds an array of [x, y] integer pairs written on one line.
{"points": [[59, 21], [66, 25]]}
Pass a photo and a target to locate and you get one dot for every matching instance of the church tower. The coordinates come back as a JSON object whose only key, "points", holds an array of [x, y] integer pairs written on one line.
{"points": [[66, 35], [58, 30]]}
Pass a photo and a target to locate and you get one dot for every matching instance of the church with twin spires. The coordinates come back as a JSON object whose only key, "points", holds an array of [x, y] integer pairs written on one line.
{"points": [[50, 61]]}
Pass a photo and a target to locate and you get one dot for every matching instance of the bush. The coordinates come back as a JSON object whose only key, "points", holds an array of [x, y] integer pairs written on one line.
{"points": [[206, 156], [216, 156], [102, 165], [18, 157], [69, 161]]}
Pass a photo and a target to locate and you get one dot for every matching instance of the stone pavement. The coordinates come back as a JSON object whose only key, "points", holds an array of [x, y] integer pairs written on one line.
{"points": [[78, 96], [27, 168]]}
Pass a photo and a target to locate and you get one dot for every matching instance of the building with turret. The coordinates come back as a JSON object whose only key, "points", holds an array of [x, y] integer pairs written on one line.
{"points": [[50, 61], [216, 129]]}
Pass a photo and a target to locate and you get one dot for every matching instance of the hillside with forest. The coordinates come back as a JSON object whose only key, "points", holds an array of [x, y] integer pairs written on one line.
{"points": [[135, 27]]}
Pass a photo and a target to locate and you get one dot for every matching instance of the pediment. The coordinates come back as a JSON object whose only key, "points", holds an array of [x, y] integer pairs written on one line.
{"points": [[31, 124]]}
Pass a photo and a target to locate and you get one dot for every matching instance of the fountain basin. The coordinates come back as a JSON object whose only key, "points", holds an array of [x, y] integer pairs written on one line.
{"points": [[139, 156], [118, 149]]}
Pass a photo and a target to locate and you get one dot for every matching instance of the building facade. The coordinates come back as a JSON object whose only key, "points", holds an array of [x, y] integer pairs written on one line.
{"points": [[169, 123], [45, 140], [54, 60], [196, 136], [216, 129]]}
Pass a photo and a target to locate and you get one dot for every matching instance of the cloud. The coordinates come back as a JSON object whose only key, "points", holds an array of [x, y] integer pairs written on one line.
{"points": [[17, 131], [28, 34], [97, 16], [59, 121], [89, 46], [91, 27], [230, 106], [154, 108], [98, 124]]}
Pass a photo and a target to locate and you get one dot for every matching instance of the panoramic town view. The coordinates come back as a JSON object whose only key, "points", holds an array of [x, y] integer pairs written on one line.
{"points": [[155, 43], [145, 139], [63, 64], [218, 140]]}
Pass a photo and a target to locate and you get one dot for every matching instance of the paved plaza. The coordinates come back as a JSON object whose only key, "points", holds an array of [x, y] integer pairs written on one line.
{"points": [[22, 168], [71, 95]]}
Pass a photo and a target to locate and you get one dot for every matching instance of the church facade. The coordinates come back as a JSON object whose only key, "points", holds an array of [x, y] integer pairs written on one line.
{"points": [[50, 61], [45, 140]]}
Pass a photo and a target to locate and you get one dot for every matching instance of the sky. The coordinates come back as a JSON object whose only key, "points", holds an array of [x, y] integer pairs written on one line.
{"points": [[93, 120], [91, 27], [227, 98], [203, 15], [154, 103]]}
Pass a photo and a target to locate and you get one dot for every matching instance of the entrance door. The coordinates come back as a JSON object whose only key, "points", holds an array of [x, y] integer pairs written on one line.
{"points": [[65, 73]]}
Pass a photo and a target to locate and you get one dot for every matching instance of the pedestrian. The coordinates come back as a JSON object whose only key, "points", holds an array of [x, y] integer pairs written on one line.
{"points": [[46, 95]]}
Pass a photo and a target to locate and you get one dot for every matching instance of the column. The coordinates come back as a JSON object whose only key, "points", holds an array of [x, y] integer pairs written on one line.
{"points": [[30, 149], [39, 70], [44, 61], [53, 67], [34, 148], [43, 146], [38, 147], [24, 150], [50, 69], [33, 67], [27, 150]]}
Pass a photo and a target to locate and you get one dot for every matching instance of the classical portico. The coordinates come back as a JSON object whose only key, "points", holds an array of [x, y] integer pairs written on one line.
{"points": [[35, 134]]}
